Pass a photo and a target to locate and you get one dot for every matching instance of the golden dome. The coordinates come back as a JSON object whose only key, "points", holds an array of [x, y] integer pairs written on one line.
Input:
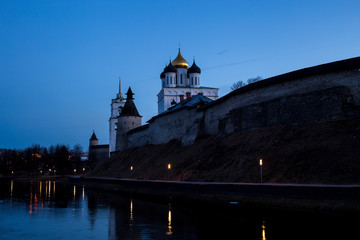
{"points": [[180, 62]]}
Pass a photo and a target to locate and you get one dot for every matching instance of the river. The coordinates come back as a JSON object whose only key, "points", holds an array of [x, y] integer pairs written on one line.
{"points": [[34, 209]]}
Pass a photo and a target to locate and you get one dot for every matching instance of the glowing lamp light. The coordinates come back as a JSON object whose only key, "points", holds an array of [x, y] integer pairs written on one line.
{"points": [[169, 166], [74, 170], [261, 163], [83, 169], [131, 168], [49, 169]]}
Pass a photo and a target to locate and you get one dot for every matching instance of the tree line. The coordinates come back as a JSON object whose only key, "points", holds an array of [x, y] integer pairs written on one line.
{"points": [[36, 160]]}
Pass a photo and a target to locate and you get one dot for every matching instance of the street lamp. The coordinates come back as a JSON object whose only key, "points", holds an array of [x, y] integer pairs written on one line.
{"points": [[169, 168], [131, 171], [261, 163]]}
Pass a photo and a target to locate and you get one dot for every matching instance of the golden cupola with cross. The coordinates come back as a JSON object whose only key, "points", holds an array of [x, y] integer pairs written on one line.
{"points": [[180, 62]]}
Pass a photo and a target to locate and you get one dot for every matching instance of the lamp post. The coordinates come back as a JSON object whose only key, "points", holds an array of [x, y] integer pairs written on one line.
{"points": [[131, 171], [261, 163], [169, 168]]}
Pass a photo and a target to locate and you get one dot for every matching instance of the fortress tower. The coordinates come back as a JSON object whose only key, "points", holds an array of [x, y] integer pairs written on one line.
{"points": [[117, 105], [94, 141], [128, 119], [179, 81]]}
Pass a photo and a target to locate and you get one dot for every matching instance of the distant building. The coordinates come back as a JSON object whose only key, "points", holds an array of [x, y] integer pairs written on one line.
{"points": [[84, 157]]}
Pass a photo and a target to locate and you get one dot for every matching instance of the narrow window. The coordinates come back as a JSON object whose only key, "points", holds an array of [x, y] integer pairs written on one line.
{"points": [[167, 80], [176, 81], [181, 78]]}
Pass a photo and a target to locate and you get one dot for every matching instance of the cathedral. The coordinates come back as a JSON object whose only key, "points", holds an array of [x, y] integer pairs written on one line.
{"points": [[179, 83]]}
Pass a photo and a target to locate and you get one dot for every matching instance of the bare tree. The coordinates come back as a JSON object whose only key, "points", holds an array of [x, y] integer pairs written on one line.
{"points": [[240, 83], [255, 79], [237, 85]]}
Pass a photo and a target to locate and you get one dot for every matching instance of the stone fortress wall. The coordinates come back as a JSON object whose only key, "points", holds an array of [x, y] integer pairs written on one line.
{"points": [[320, 93]]}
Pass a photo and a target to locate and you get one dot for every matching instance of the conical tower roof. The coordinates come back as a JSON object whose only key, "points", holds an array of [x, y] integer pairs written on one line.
{"points": [[129, 108], [93, 136]]}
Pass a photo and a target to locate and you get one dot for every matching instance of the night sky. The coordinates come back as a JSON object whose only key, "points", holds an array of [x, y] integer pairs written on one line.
{"points": [[60, 60]]}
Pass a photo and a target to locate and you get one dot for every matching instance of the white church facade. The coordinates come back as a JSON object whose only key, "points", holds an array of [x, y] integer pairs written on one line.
{"points": [[178, 82]]}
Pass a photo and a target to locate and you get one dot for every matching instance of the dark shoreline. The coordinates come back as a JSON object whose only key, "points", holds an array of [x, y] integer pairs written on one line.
{"points": [[327, 199], [333, 199]]}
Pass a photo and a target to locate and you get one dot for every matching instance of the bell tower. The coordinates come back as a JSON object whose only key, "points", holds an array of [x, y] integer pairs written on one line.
{"points": [[117, 105]]}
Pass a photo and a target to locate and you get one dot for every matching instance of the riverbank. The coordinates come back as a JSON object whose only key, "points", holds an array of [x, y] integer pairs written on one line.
{"points": [[316, 153], [341, 199]]}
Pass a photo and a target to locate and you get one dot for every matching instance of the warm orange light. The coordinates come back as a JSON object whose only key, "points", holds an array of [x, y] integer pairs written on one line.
{"points": [[131, 168], [84, 169], [169, 166], [263, 232], [261, 162], [49, 169], [74, 170]]}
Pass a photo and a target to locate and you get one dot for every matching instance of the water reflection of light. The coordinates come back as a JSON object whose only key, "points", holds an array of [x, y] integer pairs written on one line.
{"points": [[30, 211], [40, 187], [54, 188], [131, 211], [169, 232], [263, 231], [49, 188], [83, 192], [46, 188], [74, 191], [11, 188]]}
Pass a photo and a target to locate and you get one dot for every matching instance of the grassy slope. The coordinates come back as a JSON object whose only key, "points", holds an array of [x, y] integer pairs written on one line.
{"points": [[324, 153]]}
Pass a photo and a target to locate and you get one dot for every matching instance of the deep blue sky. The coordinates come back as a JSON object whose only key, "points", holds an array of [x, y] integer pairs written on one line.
{"points": [[60, 60]]}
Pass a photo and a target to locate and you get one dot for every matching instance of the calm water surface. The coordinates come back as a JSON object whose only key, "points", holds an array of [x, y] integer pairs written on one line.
{"points": [[56, 210]]}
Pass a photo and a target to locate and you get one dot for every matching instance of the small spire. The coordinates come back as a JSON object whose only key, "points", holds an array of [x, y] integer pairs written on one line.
{"points": [[130, 94], [119, 85]]}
